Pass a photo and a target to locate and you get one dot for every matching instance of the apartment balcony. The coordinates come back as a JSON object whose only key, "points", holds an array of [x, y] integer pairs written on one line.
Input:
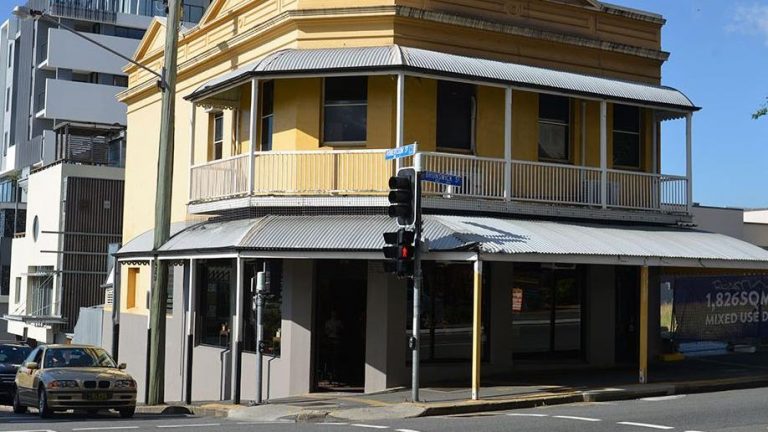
{"points": [[359, 177], [65, 50], [80, 102]]}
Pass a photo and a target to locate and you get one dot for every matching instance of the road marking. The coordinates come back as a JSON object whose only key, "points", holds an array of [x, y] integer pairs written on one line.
{"points": [[589, 419], [33, 430], [189, 425], [646, 425], [527, 415], [370, 426], [107, 428], [662, 398], [406, 430]]}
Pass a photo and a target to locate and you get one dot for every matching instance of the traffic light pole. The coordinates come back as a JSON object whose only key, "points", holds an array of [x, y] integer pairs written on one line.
{"points": [[417, 281]]}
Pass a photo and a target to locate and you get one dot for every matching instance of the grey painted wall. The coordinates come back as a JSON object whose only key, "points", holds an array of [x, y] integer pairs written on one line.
{"points": [[600, 343]]}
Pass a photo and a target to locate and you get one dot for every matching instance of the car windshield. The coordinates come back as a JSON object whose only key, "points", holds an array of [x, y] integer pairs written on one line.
{"points": [[10, 354], [77, 357]]}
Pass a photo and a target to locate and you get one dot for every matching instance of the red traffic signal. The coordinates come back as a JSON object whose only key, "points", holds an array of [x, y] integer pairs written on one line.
{"points": [[400, 251]]}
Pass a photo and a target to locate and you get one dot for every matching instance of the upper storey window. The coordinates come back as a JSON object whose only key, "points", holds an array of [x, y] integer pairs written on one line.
{"points": [[267, 114], [455, 116], [554, 128], [345, 110], [626, 136], [218, 136]]}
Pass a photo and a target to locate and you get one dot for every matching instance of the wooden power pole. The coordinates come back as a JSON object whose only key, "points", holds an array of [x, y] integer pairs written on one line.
{"points": [[163, 208]]}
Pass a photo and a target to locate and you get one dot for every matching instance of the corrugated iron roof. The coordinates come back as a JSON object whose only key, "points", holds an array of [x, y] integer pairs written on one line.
{"points": [[396, 58], [486, 235]]}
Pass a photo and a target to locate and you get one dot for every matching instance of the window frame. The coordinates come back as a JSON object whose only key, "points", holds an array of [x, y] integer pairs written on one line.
{"points": [[323, 116], [639, 134], [215, 118], [472, 121], [568, 160], [266, 117]]}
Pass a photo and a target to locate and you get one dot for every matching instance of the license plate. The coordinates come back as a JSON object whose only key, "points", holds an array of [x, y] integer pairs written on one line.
{"points": [[96, 396]]}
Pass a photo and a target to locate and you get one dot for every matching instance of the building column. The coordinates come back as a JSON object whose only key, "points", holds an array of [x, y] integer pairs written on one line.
{"points": [[604, 154], [508, 143], [643, 372], [252, 132], [237, 331], [190, 330], [689, 160], [400, 115], [298, 306], [477, 328], [149, 327], [385, 353], [192, 120]]}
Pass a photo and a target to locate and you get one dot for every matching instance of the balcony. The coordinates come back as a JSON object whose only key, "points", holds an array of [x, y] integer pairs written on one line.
{"points": [[364, 173], [79, 101]]}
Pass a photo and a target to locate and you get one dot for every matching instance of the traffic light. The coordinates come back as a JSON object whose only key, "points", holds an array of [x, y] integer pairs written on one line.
{"points": [[400, 251], [402, 197]]}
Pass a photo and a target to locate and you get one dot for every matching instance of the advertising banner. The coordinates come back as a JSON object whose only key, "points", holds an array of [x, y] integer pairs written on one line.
{"points": [[727, 308]]}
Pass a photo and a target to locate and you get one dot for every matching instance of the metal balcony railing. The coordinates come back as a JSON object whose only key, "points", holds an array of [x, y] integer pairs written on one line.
{"points": [[365, 172]]}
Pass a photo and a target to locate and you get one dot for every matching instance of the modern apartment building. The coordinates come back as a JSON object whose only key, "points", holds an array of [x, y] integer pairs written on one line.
{"points": [[565, 223], [63, 132]]}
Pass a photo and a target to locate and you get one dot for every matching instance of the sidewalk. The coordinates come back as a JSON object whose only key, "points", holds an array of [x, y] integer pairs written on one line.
{"points": [[694, 375]]}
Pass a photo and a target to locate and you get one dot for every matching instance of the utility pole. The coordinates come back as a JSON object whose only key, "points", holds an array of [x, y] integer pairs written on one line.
{"points": [[258, 299], [163, 208]]}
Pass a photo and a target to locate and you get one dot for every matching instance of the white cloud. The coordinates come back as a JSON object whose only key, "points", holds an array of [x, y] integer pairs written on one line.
{"points": [[751, 20]]}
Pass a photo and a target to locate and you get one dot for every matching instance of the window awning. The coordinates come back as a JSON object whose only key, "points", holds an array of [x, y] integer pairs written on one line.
{"points": [[488, 238], [397, 58]]}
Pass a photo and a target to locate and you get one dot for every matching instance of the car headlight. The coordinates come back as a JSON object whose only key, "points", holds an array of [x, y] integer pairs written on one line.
{"points": [[126, 383], [62, 384]]}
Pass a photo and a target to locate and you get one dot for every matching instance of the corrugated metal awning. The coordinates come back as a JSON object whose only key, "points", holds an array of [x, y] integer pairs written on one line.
{"points": [[399, 58], [490, 238]]}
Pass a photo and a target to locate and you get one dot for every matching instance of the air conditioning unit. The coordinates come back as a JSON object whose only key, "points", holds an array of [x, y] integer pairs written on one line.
{"points": [[471, 185]]}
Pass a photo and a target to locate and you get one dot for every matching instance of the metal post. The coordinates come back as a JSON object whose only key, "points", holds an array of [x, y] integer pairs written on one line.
{"points": [[508, 143], [643, 324], [190, 329], [258, 299], [417, 282], [399, 113], [237, 333], [116, 288], [252, 128], [163, 206], [477, 328], [604, 154], [689, 160]]}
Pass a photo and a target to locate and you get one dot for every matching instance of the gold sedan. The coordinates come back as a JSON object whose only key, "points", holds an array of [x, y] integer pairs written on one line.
{"points": [[61, 377]]}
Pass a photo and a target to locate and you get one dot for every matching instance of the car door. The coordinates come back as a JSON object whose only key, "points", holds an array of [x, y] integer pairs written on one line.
{"points": [[25, 377]]}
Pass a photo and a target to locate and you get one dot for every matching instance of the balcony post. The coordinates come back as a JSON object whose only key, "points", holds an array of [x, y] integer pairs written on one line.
{"points": [[689, 161], [604, 153], [399, 113], [252, 133], [508, 143], [192, 118]]}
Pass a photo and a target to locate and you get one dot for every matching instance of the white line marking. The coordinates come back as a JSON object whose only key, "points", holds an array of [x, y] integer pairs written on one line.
{"points": [[406, 430], [527, 415], [107, 428], [332, 424], [589, 419], [189, 425], [33, 430], [646, 425], [370, 426], [662, 398], [264, 422]]}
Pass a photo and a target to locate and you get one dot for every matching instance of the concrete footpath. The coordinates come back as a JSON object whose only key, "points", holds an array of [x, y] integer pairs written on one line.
{"points": [[690, 376]]}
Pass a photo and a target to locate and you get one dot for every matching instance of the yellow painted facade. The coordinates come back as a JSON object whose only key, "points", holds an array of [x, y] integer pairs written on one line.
{"points": [[568, 36]]}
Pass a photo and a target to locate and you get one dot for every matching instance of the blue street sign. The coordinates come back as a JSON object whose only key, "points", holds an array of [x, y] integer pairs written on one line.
{"points": [[400, 152], [446, 179]]}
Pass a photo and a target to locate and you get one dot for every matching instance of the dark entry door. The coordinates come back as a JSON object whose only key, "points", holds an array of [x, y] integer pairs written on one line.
{"points": [[627, 314], [340, 308]]}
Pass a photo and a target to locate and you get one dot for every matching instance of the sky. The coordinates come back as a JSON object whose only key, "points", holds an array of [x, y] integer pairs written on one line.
{"points": [[719, 59]]}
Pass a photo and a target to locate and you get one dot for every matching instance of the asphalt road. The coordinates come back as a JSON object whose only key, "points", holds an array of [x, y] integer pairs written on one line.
{"points": [[733, 411]]}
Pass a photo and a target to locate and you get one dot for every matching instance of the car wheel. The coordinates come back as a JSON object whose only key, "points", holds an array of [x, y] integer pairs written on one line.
{"points": [[127, 412], [42, 404], [18, 408]]}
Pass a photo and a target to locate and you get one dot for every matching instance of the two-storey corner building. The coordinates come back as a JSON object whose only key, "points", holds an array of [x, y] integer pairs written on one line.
{"points": [[550, 113], [63, 152]]}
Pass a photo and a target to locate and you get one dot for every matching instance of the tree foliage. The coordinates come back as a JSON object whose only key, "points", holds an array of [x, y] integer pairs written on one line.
{"points": [[762, 111]]}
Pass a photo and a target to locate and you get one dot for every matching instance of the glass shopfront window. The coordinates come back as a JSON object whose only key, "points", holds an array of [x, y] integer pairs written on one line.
{"points": [[547, 310], [446, 312], [214, 305]]}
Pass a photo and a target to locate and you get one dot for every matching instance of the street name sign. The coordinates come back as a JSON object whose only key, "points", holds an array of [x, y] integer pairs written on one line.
{"points": [[400, 152], [446, 179]]}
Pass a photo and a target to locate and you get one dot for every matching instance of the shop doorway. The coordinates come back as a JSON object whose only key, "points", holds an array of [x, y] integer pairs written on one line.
{"points": [[627, 314], [340, 316]]}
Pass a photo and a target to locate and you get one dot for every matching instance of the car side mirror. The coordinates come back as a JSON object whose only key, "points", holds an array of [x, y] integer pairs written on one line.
{"points": [[32, 366], [122, 366]]}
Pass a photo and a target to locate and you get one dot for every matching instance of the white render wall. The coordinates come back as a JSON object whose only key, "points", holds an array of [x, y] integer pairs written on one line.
{"points": [[68, 51], [84, 102]]}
